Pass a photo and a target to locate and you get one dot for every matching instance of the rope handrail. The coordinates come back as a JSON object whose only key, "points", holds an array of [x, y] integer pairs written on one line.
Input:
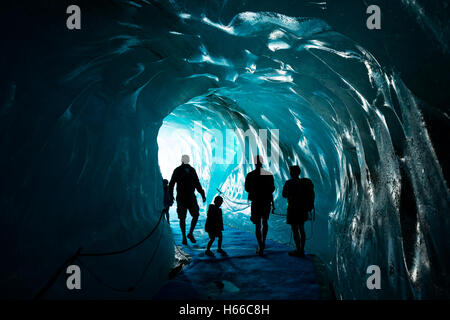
{"points": [[101, 254], [136, 283], [313, 213], [78, 254], [225, 197]]}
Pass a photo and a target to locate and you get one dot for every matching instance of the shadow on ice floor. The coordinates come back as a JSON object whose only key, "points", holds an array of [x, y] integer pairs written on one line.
{"points": [[241, 274]]}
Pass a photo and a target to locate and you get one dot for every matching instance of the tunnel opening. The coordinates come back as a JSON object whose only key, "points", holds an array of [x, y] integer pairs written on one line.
{"points": [[223, 141]]}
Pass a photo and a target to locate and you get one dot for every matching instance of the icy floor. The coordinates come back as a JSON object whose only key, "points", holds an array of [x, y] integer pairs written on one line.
{"points": [[241, 274]]}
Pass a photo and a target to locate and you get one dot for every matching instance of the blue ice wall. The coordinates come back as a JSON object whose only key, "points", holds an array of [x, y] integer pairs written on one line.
{"points": [[80, 128], [355, 130]]}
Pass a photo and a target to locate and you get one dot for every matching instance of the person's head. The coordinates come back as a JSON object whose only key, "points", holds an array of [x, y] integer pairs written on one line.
{"points": [[185, 159], [258, 161], [294, 171], [165, 182], [218, 201]]}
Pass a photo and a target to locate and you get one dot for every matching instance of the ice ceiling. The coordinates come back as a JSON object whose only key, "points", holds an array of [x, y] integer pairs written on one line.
{"points": [[354, 129], [339, 115], [353, 126]]}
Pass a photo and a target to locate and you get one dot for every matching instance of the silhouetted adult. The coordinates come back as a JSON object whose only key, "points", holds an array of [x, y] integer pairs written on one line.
{"points": [[300, 197], [259, 184], [187, 182]]}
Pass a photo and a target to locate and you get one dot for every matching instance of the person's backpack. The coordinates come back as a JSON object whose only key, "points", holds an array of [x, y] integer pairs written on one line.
{"points": [[309, 194]]}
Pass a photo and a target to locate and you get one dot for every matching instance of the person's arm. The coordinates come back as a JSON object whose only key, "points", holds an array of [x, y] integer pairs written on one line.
{"points": [[198, 186], [272, 187]]}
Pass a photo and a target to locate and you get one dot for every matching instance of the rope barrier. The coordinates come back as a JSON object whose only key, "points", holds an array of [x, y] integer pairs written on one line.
{"points": [[55, 275], [136, 283], [313, 218], [225, 197], [78, 254], [126, 249], [313, 215]]}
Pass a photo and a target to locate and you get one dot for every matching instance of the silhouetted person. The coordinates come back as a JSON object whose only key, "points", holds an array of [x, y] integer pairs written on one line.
{"points": [[167, 201], [214, 225], [260, 185], [187, 182], [300, 197]]}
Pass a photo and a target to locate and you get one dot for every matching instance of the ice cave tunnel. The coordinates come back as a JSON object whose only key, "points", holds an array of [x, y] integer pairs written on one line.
{"points": [[91, 123]]}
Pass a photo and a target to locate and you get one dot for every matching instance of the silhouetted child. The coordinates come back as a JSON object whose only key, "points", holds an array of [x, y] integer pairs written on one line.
{"points": [[167, 201], [214, 225]]}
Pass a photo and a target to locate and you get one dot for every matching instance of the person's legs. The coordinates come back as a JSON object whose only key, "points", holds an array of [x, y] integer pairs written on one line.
{"points": [[182, 210], [219, 242], [219, 249], [296, 235], [210, 243], [183, 229], [208, 251], [256, 211], [303, 237], [258, 233], [265, 229], [193, 223], [265, 212], [194, 211]]}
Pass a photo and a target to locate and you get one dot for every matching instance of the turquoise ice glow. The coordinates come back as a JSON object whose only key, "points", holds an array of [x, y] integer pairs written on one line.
{"points": [[302, 82], [92, 122]]}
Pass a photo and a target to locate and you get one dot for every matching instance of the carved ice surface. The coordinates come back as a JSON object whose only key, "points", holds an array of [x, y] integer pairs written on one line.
{"points": [[355, 130], [337, 129]]}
